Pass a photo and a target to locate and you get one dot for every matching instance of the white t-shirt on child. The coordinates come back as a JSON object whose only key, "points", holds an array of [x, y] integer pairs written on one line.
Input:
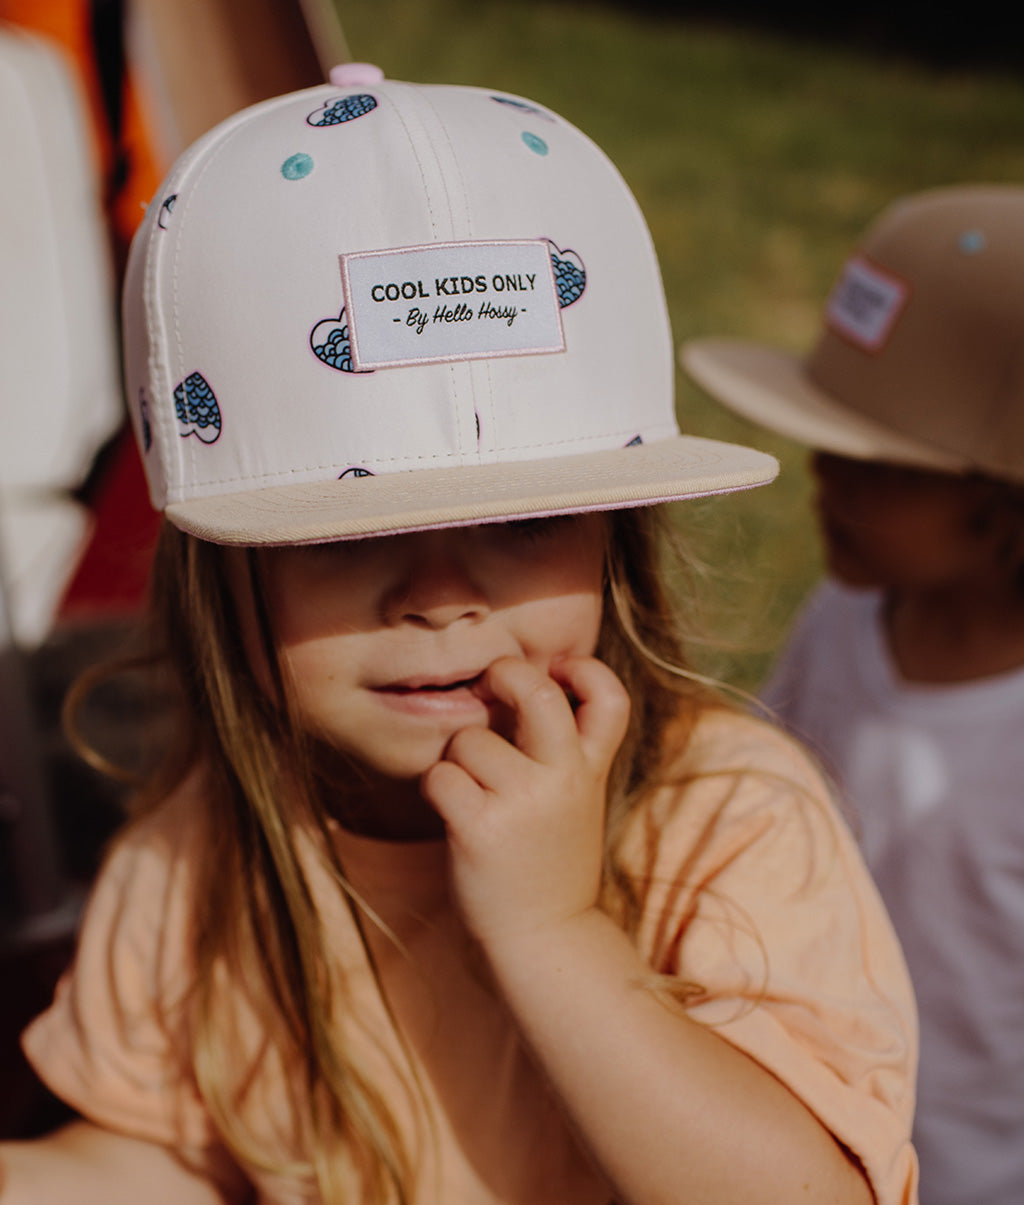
{"points": [[935, 776]]}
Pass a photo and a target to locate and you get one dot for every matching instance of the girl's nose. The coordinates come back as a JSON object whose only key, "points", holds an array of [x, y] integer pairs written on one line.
{"points": [[437, 587]]}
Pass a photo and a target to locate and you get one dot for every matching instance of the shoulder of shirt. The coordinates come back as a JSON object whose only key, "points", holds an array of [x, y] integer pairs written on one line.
{"points": [[830, 597], [827, 640], [726, 737], [168, 831], [737, 784], [144, 895], [735, 748]]}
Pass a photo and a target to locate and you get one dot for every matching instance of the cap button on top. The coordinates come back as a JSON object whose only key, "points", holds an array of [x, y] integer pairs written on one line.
{"points": [[352, 75]]}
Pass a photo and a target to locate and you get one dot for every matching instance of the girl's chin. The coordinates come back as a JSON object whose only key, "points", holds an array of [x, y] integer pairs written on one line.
{"points": [[380, 772], [381, 801]]}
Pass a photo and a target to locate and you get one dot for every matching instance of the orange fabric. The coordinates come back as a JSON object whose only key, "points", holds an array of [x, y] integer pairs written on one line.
{"points": [[68, 22], [756, 894]]}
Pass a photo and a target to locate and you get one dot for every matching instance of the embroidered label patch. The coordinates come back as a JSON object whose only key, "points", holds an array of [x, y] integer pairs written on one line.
{"points": [[451, 301], [865, 303]]}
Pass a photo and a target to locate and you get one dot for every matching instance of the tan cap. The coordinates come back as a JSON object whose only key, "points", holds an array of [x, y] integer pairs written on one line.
{"points": [[921, 359]]}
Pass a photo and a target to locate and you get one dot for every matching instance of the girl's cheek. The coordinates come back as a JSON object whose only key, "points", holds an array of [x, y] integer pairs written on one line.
{"points": [[574, 636]]}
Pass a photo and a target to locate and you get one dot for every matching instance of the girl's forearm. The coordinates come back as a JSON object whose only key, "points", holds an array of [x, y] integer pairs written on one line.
{"points": [[670, 1111]]}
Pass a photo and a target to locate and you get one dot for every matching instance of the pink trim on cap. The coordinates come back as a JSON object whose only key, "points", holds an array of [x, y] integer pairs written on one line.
{"points": [[353, 75]]}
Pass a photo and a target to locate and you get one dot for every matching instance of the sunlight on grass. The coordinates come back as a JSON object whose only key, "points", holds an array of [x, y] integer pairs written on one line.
{"points": [[758, 161]]}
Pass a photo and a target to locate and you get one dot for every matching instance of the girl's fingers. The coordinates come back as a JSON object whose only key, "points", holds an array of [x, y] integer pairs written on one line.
{"points": [[545, 729], [524, 802], [543, 719], [452, 792], [484, 755], [602, 711]]}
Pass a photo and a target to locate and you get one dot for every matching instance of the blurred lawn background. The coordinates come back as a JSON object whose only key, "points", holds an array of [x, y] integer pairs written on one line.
{"points": [[758, 159]]}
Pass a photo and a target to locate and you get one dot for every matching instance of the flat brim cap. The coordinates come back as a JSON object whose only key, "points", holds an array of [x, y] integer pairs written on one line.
{"points": [[376, 306], [315, 512], [770, 387]]}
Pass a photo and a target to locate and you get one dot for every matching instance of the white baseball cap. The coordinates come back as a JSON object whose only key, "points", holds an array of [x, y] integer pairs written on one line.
{"points": [[374, 306]]}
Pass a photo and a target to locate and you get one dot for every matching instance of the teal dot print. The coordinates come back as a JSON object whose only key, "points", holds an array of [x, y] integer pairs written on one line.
{"points": [[297, 166], [972, 241], [537, 145]]}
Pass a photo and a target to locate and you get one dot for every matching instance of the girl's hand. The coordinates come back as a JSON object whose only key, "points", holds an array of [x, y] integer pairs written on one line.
{"points": [[525, 815]]}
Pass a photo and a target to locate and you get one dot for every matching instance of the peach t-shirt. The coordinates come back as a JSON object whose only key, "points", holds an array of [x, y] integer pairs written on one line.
{"points": [[755, 896]]}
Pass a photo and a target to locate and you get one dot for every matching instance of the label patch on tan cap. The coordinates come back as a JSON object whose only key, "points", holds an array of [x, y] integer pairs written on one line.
{"points": [[451, 301], [865, 303]]}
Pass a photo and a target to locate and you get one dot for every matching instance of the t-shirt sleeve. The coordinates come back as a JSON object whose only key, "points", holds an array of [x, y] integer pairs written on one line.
{"points": [[113, 1043], [757, 900]]}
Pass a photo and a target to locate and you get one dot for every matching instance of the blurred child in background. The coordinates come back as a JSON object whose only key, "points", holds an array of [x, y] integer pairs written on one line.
{"points": [[905, 670]]}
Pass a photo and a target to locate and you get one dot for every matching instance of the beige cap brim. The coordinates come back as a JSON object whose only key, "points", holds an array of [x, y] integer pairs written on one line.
{"points": [[770, 388], [316, 512]]}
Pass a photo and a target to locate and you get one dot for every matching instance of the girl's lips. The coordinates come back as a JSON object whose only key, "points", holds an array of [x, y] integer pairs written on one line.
{"points": [[456, 696], [440, 685]]}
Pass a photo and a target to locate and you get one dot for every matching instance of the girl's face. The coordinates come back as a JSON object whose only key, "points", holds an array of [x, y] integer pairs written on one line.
{"points": [[386, 639], [902, 528]]}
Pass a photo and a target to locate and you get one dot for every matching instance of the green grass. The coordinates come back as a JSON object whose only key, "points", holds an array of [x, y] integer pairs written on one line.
{"points": [[758, 161]]}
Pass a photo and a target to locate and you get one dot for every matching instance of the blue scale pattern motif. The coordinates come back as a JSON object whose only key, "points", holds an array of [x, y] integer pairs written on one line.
{"points": [[337, 351], [195, 404], [345, 108], [570, 278], [330, 343]]}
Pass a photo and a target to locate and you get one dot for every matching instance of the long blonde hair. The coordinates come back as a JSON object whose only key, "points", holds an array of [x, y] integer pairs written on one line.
{"points": [[258, 930]]}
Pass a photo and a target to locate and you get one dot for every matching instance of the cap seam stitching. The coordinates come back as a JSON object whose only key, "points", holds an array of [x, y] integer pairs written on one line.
{"points": [[467, 221], [432, 210]]}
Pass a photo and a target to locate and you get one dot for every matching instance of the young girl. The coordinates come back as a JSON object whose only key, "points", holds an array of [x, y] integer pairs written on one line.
{"points": [[455, 887]]}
